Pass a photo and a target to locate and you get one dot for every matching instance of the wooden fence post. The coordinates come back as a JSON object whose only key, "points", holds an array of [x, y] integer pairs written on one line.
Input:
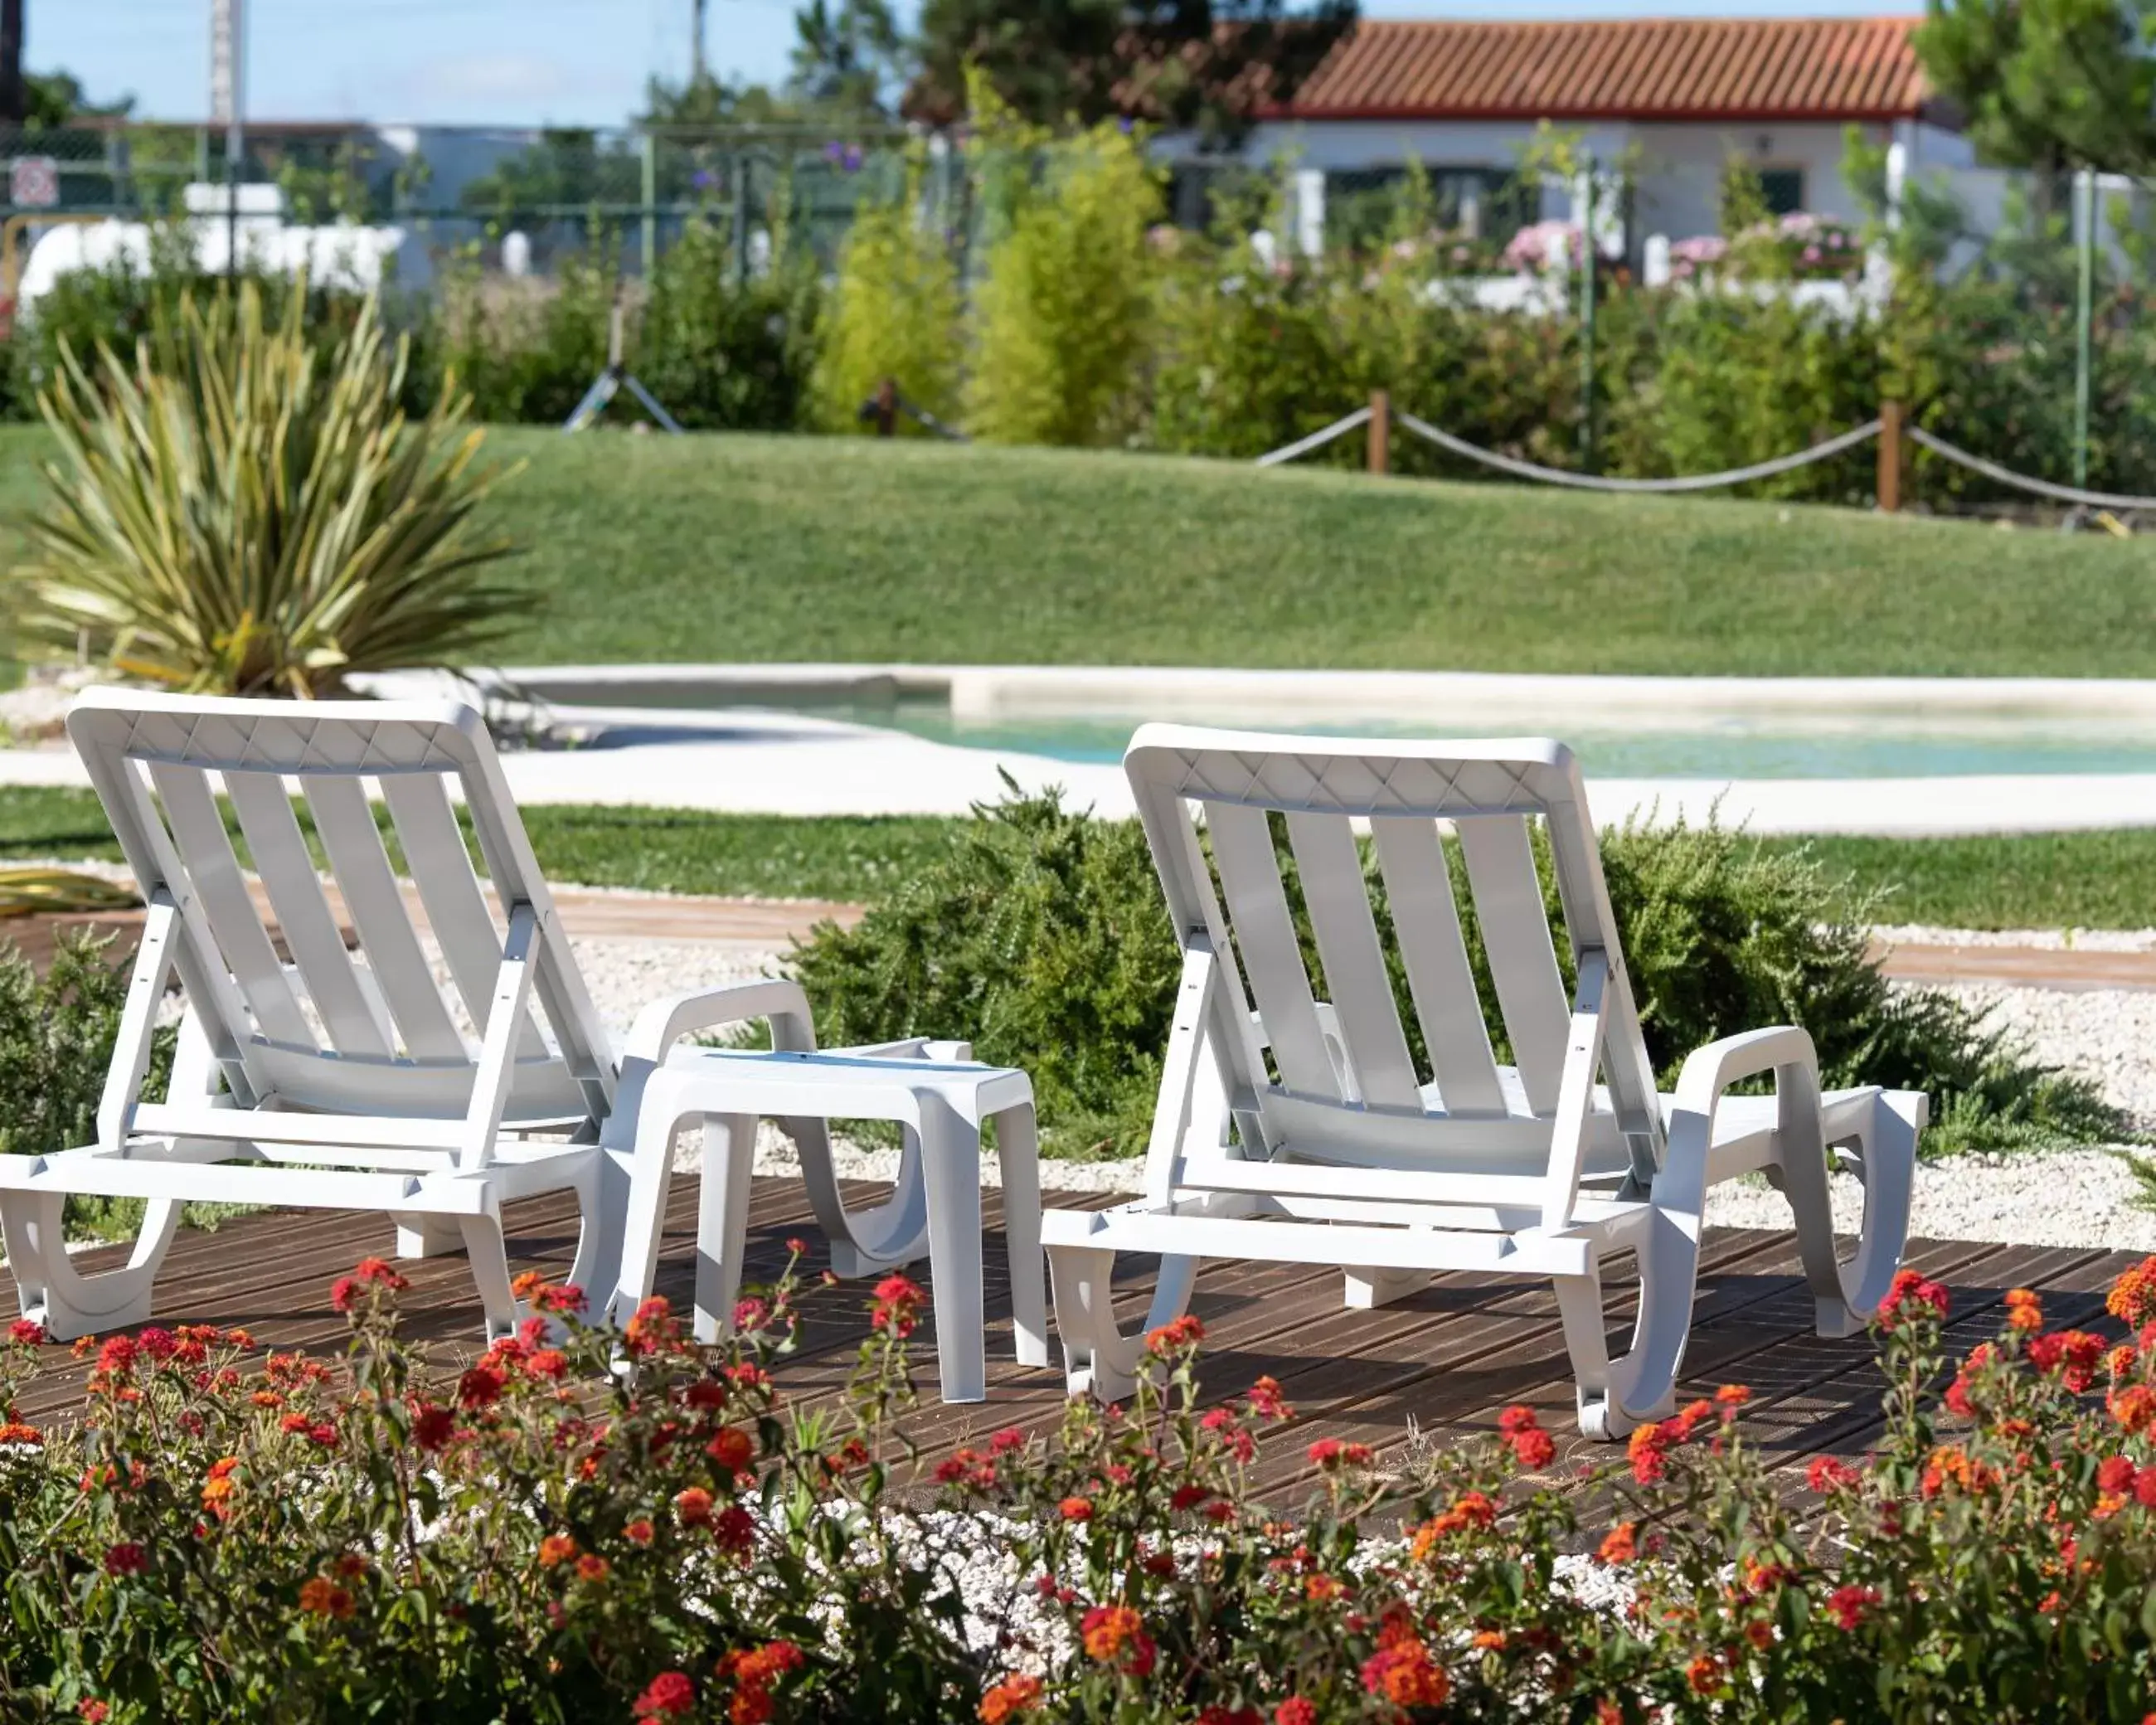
{"points": [[886, 408], [1381, 431], [1890, 457]]}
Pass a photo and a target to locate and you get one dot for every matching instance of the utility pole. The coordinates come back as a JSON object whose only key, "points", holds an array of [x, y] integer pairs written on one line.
{"points": [[697, 73], [227, 85], [14, 106]]}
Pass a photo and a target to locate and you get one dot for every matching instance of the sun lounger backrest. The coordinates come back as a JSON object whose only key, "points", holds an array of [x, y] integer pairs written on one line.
{"points": [[1341, 1070], [367, 1030]]}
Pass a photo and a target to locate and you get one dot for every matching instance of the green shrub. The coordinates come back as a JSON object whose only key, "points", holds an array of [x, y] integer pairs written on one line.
{"points": [[56, 1034], [526, 350], [721, 355], [1063, 312], [1041, 936], [236, 512], [897, 312]]}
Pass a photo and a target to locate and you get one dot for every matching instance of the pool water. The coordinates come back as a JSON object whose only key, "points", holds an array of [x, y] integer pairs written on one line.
{"points": [[1858, 748]]}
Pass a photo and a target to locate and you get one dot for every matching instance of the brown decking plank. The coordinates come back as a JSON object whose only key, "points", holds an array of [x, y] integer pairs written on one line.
{"points": [[1522, 1334], [1739, 1325], [2073, 1298]]}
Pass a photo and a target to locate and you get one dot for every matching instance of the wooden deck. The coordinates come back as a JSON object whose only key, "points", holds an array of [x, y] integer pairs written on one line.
{"points": [[1430, 1369]]}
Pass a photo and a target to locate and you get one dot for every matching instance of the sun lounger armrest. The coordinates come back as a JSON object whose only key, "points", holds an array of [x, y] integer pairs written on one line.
{"points": [[665, 1022], [1709, 1072]]}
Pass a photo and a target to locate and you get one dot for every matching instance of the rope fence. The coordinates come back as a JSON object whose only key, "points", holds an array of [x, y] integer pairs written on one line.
{"points": [[2041, 488], [1596, 482], [1890, 427]]}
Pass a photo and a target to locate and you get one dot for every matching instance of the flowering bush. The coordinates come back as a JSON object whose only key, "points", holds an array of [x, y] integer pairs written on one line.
{"points": [[227, 1537], [1528, 251]]}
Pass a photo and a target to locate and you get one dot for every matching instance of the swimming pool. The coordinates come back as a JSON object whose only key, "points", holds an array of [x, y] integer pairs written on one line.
{"points": [[1865, 748]]}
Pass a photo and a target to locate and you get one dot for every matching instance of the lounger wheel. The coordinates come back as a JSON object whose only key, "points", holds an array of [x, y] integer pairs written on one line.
{"points": [[1846, 1292], [67, 1303], [1101, 1360]]}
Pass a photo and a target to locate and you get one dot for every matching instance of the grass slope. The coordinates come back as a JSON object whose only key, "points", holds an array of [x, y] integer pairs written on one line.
{"points": [[718, 547], [2098, 879], [727, 547]]}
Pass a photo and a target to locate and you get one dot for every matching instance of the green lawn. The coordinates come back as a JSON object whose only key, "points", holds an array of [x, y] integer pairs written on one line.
{"points": [[723, 547], [2100, 880]]}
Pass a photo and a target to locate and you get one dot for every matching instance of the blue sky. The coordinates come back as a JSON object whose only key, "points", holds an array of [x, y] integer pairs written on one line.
{"points": [[523, 62]]}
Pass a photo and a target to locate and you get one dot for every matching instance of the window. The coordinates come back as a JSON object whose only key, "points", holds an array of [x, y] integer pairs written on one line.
{"points": [[1784, 188]]}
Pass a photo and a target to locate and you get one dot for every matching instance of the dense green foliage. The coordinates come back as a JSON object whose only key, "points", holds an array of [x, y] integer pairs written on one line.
{"points": [[894, 315], [1017, 275], [1063, 312], [56, 1034], [1040, 935]]}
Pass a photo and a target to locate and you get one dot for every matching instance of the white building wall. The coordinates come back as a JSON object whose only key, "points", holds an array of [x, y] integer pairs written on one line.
{"points": [[1679, 166]]}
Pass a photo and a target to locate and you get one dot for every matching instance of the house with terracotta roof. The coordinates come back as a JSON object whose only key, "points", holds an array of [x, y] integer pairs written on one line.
{"points": [[1674, 99]]}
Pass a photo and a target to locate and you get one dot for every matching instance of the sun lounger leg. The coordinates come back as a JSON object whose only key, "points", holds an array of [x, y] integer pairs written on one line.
{"points": [[55, 1294], [1098, 1357], [951, 1165], [1017, 1149], [1888, 1150], [1368, 1288], [490, 1268], [420, 1235], [722, 1221]]}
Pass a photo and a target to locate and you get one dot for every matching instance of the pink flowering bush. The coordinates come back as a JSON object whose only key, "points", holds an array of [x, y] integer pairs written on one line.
{"points": [[534, 1536]]}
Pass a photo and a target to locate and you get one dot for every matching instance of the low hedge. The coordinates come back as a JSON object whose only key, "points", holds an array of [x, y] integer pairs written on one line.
{"points": [[220, 1536], [1041, 936]]}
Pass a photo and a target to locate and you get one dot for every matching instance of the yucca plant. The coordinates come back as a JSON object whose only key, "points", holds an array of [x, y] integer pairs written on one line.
{"points": [[244, 510], [27, 891]]}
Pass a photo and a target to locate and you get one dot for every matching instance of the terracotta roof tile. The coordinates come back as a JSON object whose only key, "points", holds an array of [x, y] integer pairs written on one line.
{"points": [[1631, 68]]}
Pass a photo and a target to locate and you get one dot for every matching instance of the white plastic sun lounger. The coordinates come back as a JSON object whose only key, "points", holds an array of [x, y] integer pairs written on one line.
{"points": [[349, 1079], [1344, 1152]]}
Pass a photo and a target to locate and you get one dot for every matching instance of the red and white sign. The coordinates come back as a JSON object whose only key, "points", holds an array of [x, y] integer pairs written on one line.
{"points": [[33, 183]]}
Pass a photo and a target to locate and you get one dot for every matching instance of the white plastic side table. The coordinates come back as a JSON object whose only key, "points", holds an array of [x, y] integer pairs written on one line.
{"points": [[934, 1206]]}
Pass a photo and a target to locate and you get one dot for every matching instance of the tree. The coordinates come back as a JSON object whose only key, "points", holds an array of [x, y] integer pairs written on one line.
{"points": [[1207, 65], [847, 60], [2049, 85]]}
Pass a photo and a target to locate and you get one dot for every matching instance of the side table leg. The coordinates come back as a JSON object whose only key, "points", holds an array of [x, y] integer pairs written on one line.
{"points": [[722, 1220], [1018, 1146], [951, 1165]]}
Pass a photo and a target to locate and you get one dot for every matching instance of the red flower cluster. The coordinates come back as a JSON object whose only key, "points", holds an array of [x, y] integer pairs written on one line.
{"points": [[1910, 1295], [1828, 1474], [1175, 1336], [752, 1674], [1649, 1447], [1533, 1447], [1115, 1634], [1847, 1605], [1402, 1671], [2073, 1354], [347, 1292], [1266, 1401], [897, 1307], [670, 1695], [2132, 1296], [1016, 1694], [1332, 1455]]}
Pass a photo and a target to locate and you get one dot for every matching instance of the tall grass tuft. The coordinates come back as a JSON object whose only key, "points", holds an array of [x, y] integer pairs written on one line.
{"points": [[242, 511]]}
